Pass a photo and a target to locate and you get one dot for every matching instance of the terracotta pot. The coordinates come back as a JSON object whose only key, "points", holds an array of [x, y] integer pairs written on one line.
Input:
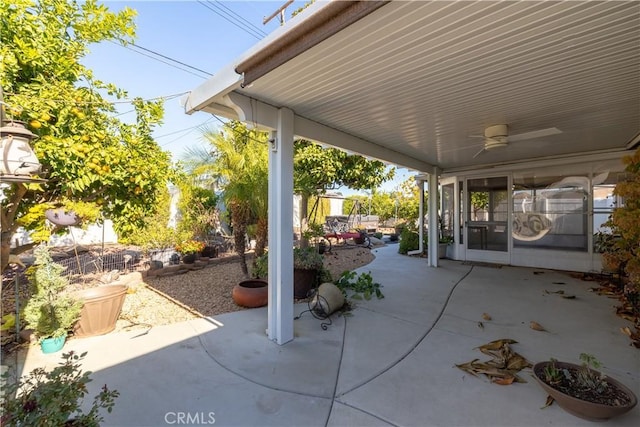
{"points": [[303, 282], [102, 306], [251, 293], [582, 408]]}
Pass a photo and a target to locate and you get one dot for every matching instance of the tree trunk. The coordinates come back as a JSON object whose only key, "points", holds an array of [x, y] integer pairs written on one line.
{"points": [[262, 231], [304, 223], [239, 223], [8, 224]]}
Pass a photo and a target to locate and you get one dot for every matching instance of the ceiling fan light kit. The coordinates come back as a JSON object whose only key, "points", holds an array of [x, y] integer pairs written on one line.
{"points": [[497, 136]]}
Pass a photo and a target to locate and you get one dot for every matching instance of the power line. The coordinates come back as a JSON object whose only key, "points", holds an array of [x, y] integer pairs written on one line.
{"points": [[257, 28], [160, 60], [248, 30], [186, 130], [125, 101], [171, 59]]}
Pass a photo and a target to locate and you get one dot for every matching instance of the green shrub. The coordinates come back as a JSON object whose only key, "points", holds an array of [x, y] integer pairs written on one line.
{"points": [[51, 398], [409, 241]]}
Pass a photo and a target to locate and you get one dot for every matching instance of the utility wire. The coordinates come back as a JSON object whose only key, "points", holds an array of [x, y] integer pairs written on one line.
{"points": [[160, 60], [189, 129], [248, 30], [125, 101], [240, 17], [171, 59]]}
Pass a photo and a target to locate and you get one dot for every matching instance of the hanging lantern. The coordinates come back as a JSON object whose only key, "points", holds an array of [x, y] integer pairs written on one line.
{"points": [[18, 162]]}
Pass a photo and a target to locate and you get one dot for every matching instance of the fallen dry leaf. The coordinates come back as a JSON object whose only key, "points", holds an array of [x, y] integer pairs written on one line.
{"points": [[502, 369], [536, 326], [549, 402], [626, 331], [497, 344], [486, 316], [503, 381]]}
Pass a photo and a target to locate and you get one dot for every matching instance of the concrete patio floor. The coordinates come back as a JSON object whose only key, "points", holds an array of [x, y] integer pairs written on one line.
{"points": [[390, 363]]}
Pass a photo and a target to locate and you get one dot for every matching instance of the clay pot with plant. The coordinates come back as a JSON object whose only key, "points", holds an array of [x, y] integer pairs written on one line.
{"points": [[307, 267], [583, 391], [189, 250]]}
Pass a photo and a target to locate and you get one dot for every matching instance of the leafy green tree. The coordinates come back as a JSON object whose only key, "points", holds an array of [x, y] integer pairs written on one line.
{"points": [[198, 210], [318, 169], [383, 205], [89, 155], [155, 233], [408, 197]]}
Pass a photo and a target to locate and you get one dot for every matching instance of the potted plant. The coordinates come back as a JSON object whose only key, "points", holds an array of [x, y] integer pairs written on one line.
{"points": [[315, 233], [54, 398], [189, 250], [582, 391], [307, 263], [444, 242], [50, 312]]}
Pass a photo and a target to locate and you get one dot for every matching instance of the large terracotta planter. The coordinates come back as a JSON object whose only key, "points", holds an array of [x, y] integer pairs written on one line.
{"points": [[303, 282], [102, 306], [582, 408], [251, 293]]}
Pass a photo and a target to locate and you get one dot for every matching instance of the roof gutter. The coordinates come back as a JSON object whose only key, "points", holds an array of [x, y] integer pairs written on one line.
{"points": [[318, 27]]}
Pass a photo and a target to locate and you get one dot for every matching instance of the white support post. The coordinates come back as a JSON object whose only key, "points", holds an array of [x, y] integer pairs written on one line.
{"points": [[420, 183], [280, 310], [434, 225], [421, 213]]}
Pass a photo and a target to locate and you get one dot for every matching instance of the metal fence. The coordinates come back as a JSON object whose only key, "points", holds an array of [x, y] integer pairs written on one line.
{"points": [[86, 265]]}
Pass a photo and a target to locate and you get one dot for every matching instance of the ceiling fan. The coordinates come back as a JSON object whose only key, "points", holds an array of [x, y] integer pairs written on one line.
{"points": [[496, 136]]}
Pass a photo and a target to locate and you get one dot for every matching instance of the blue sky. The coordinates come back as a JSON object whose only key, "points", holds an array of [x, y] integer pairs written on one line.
{"points": [[196, 33]]}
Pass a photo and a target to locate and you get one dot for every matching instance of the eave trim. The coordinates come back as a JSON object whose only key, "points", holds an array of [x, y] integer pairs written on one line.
{"points": [[321, 25]]}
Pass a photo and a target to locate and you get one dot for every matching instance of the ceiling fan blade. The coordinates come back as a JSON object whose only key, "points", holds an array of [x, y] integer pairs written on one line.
{"points": [[534, 134], [479, 152]]}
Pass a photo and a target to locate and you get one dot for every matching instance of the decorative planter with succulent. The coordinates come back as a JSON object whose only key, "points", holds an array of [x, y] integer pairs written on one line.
{"points": [[54, 398], [582, 391], [51, 312], [189, 250]]}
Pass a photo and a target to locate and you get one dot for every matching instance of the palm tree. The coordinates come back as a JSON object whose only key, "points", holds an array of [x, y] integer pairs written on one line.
{"points": [[238, 161]]}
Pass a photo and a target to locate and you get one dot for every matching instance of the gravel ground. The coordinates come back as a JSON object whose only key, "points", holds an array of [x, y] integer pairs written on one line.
{"points": [[207, 292]]}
